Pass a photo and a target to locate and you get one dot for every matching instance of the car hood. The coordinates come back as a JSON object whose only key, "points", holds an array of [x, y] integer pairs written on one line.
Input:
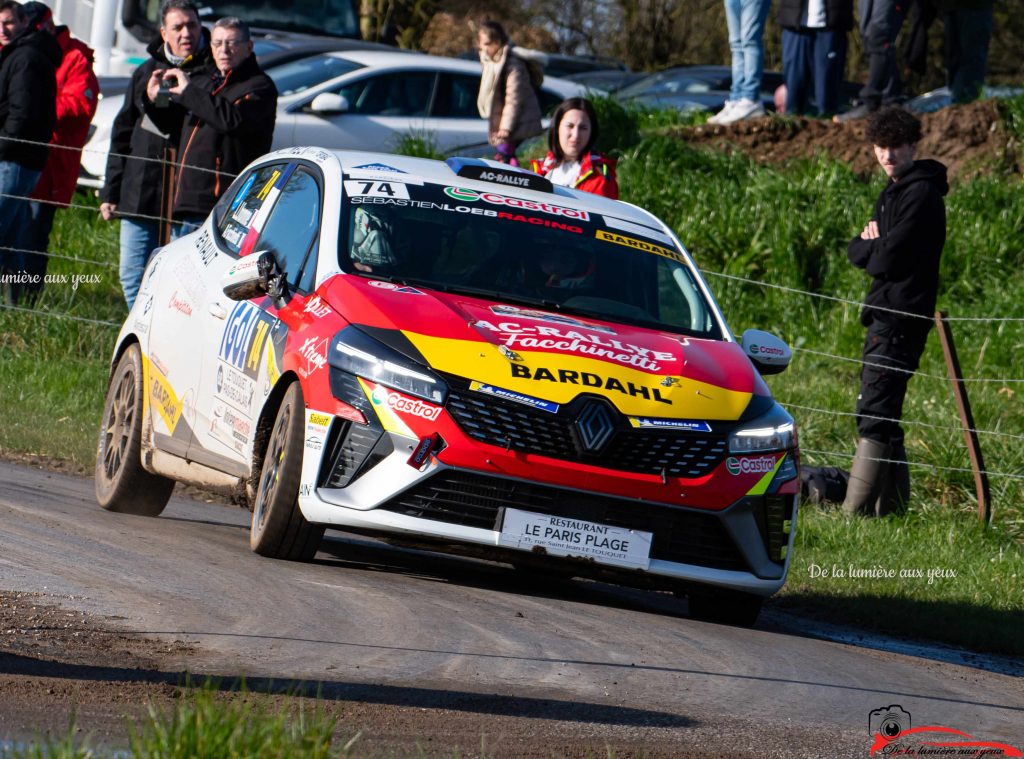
{"points": [[552, 356]]}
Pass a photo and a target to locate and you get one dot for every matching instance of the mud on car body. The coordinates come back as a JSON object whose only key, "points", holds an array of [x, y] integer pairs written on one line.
{"points": [[460, 355]]}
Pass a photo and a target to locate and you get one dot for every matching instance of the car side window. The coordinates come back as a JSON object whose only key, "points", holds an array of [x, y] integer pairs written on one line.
{"points": [[402, 93], [239, 214], [456, 97], [292, 229]]}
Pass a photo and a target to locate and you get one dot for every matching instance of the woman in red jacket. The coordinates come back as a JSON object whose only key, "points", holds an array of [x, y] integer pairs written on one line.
{"points": [[571, 161]]}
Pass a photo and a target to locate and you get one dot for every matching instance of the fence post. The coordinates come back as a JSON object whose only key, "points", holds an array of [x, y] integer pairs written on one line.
{"points": [[966, 417], [167, 197]]}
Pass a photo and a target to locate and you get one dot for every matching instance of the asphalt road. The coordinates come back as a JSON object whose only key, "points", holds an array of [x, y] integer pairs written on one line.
{"points": [[389, 626]]}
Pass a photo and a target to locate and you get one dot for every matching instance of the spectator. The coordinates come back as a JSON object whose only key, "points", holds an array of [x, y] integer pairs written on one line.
{"points": [[880, 22], [77, 97], [230, 121], [28, 96], [900, 249], [968, 30], [134, 177], [814, 52], [571, 160], [745, 19], [507, 98]]}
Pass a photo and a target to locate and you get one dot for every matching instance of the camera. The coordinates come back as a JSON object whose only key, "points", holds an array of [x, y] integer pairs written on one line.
{"points": [[888, 721], [163, 96]]}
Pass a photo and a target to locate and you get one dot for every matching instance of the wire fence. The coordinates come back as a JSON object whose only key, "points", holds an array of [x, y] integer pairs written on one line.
{"points": [[826, 455]]}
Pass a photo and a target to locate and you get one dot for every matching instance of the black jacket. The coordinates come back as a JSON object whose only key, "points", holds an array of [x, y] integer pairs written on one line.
{"points": [[904, 259], [132, 183], [838, 14], [28, 97], [230, 123]]}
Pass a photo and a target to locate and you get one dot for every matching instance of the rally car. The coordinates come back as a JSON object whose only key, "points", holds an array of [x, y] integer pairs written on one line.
{"points": [[459, 355]]}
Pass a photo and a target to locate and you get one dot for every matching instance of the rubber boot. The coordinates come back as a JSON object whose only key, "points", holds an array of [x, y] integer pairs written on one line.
{"points": [[896, 490], [867, 475]]}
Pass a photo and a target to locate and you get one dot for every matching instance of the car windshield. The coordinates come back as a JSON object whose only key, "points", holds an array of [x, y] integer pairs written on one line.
{"points": [[297, 76], [531, 252]]}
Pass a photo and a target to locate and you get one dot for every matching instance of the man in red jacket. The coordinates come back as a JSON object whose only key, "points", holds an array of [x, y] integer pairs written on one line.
{"points": [[77, 97]]}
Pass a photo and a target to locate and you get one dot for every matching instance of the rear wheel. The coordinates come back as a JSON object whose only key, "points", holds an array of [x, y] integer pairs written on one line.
{"points": [[729, 607], [122, 484], [278, 528]]}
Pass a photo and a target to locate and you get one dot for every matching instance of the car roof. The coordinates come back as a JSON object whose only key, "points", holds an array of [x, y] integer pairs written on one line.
{"points": [[442, 172]]}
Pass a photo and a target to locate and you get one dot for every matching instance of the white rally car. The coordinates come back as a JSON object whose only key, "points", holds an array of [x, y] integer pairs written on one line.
{"points": [[462, 355]]}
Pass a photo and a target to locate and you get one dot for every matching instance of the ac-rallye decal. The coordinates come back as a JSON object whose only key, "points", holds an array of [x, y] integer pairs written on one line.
{"points": [[561, 377]]}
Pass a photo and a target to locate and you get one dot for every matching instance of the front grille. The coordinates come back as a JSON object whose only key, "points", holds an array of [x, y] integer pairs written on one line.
{"points": [[515, 426], [476, 500]]}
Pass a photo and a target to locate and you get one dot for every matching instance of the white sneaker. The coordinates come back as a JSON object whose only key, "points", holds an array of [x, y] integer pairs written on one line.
{"points": [[743, 108], [724, 113]]}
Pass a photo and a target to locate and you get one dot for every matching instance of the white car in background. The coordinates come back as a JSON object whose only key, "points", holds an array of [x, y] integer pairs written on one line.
{"points": [[362, 100]]}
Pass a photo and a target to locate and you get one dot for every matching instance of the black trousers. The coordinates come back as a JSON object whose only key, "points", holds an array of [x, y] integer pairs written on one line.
{"points": [[892, 352]]}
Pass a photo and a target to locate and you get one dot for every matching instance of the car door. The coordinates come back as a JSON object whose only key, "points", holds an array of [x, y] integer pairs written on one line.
{"points": [[277, 210], [233, 336], [455, 117], [383, 108]]}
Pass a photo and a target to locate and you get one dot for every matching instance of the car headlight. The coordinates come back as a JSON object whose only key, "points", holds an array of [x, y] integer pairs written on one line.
{"points": [[357, 353], [774, 431]]}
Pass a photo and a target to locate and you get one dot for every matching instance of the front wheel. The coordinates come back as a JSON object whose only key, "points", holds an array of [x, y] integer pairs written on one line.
{"points": [[278, 528], [122, 483]]}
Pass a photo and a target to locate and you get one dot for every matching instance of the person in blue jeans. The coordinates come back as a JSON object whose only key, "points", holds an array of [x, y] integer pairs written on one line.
{"points": [[814, 53], [745, 19]]}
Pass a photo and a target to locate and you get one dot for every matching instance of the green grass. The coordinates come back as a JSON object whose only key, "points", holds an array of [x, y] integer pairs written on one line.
{"points": [[208, 722], [787, 226]]}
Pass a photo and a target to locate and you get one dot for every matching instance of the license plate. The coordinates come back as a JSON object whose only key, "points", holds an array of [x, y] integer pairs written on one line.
{"points": [[564, 536]]}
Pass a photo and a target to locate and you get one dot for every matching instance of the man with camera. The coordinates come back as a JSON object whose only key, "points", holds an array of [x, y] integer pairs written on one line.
{"points": [[134, 177], [229, 122]]}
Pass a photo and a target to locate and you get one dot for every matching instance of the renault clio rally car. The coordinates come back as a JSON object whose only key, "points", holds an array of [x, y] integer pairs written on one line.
{"points": [[459, 355]]}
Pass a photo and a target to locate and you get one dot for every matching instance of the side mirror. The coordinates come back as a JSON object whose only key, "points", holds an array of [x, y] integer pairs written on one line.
{"points": [[328, 103], [253, 276], [769, 354]]}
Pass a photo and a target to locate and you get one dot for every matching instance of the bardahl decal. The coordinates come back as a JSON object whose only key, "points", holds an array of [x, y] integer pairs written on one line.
{"points": [[471, 196], [588, 379], [582, 342], [632, 242]]}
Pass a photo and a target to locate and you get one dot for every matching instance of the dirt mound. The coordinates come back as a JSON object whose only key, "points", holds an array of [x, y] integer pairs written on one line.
{"points": [[967, 138]]}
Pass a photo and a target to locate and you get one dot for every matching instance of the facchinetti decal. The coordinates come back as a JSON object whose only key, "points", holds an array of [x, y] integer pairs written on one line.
{"points": [[509, 395], [583, 342]]}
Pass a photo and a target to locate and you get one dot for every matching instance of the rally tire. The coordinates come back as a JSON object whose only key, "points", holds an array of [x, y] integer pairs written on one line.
{"points": [[279, 530], [122, 484], [728, 607]]}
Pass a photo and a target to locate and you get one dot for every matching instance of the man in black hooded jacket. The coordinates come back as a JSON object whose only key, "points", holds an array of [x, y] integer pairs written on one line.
{"points": [[900, 248], [28, 109], [134, 178]]}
